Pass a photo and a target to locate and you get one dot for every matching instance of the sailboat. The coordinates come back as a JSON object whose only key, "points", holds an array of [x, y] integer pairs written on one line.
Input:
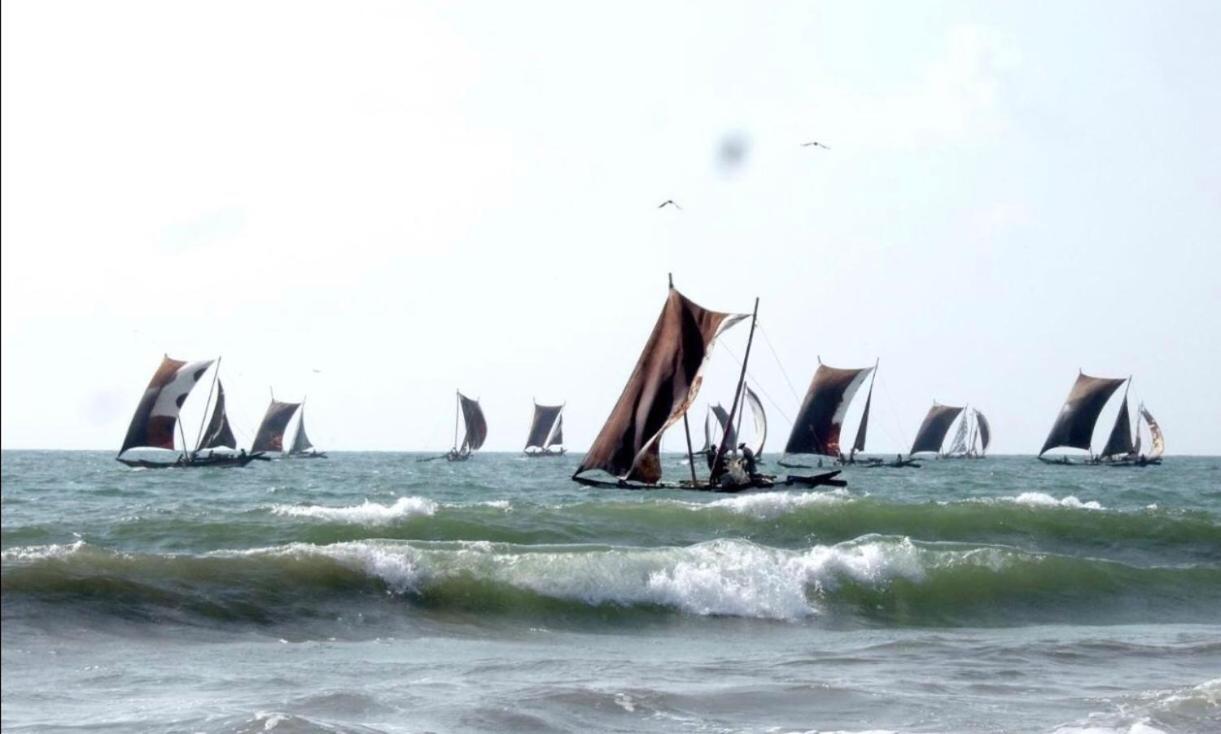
{"points": [[820, 421], [476, 429], [157, 417], [270, 436], [936, 424], [546, 432], [302, 447], [972, 437], [660, 391], [717, 426], [1074, 426]]}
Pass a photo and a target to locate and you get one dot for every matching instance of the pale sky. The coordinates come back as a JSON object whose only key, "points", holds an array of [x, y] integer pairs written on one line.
{"points": [[416, 197]]}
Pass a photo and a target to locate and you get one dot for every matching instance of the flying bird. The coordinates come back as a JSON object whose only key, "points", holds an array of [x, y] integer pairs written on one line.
{"points": [[816, 144], [669, 202]]}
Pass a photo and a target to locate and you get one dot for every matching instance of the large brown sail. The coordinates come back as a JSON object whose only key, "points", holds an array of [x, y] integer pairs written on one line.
{"points": [[270, 436], [218, 433], [664, 382], [476, 424], [818, 424], [156, 414], [1119, 443], [932, 430], [546, 417], [1074, 427]]}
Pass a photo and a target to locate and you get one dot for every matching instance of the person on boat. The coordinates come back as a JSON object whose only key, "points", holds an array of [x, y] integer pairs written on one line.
{"points": [[710, 455], [241, 454], [748, 460]]}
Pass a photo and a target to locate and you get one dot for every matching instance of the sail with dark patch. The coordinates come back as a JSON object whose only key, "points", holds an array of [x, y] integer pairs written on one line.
{"points": [[270, 436], [218, 434], [546, 429], [817, 427], [476, 424], [932, 430], [301, 442], [156, 415], [985, 431], [660, 390], [1074, 427], [1119, 443], [756, 411]]}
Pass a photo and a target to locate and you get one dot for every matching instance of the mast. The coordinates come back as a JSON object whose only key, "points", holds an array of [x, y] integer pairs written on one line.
{"points": [[203, 420], [457, 408], [720, 452]]}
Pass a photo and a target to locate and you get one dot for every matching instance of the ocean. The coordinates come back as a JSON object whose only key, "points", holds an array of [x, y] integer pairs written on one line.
{"points": [[373, 592]]}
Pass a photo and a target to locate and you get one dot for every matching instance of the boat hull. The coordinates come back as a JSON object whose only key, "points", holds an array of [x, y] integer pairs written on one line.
{"points": [[758, 482], [195, 462]]}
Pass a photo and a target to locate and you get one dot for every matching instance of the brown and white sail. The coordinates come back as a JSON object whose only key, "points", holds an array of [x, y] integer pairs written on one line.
{"points": [[933, 428], [1157, 443], [156, 415], [218, 433], [1074, 427], [760, 420], [270, 436], [662, 386], [476, 424], [547, 427], [821, 417]]}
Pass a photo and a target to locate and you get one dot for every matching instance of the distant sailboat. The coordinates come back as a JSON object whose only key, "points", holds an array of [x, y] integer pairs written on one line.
{"points": [[1124, 443], [157, 417], [936, 424], [302, 447], [660, 391], [270, 436], [1074, 426], [476, 429], [972, 437], [546, 432], [819, 423]]}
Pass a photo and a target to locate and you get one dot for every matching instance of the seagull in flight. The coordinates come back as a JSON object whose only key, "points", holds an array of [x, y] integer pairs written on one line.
{"points": [[815, 144], [669, 202]]}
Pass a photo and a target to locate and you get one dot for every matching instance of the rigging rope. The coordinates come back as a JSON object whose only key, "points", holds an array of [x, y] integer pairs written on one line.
{"points": [[772, 349], [759, 387]]}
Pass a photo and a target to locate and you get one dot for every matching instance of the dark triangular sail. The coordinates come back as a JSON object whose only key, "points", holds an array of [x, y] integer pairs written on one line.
{"points": [[756, 410], [301, 442], [863, 428], [557, 437], [725, 431], [1119, 443], [156, 415], [270, 436], [1074, 427], [218, 434], [932, 430], [818, 424], [546, 418], [660, 390], [985, 430], [476, 424]]}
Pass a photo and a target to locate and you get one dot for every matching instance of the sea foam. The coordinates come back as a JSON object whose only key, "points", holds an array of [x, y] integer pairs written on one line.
{"points": [[366, 513]]}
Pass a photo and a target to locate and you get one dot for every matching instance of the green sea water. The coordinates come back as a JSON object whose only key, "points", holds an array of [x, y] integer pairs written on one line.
{"points": [[373, 592]]}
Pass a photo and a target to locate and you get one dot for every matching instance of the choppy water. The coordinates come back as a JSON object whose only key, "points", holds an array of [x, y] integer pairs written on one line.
{"points": [[375, 593]]}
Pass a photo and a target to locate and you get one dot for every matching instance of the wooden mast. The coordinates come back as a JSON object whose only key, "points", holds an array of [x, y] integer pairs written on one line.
{"points": [[720, 452]]}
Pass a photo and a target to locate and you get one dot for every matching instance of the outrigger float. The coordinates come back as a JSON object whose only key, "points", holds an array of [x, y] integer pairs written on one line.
{"points": [[660, 392]]}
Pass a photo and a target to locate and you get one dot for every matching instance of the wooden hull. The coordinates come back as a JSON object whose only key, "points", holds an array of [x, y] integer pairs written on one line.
{"points": [[904, 464], [195, 462], [543, 454], [310, 455], [828, 479]]}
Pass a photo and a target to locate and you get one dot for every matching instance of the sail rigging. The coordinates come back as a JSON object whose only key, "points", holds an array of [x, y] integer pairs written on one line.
{"points": [[546, 428], [959, 444], [662, 385], [218, 433], [270, 436], [818, 424], [1074, 427], [156, 415], [476, 424], [863, 427], [936, 424]]}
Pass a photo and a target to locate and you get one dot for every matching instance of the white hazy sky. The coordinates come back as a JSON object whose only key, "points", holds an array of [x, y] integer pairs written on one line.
{"points": [[414, 197]]}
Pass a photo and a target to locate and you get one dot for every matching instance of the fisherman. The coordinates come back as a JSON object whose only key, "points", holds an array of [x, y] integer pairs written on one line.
{"points": [[748, 460], [710, 455]]}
